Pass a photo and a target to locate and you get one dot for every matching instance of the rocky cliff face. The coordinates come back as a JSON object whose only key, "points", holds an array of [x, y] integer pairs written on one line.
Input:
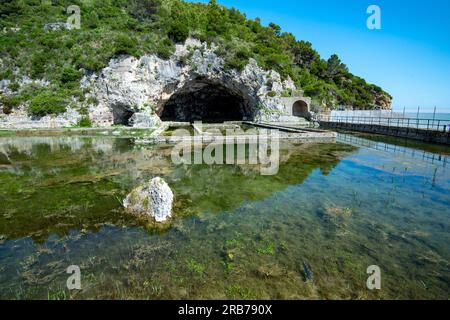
{"points": [[383, 101], [135, 91]]}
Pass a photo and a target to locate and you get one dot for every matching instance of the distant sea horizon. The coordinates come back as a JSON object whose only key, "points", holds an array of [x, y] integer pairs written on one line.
{"points": [[442, 113], [444, 117], [429, 115]]}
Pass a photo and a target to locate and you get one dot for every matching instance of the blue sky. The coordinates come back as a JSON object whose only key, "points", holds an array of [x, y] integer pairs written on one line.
{"points": [[409, 57]]}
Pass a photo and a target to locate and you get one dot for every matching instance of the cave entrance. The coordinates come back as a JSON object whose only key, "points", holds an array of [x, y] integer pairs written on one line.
{"points": [[201, 100], [122, 116]]}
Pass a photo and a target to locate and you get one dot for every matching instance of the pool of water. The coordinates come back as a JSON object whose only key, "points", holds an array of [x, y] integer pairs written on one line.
{"points": [[334, 207]]}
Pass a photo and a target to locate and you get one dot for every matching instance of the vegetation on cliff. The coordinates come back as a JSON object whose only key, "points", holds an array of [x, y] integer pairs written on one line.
{"points": [[137, 27]]}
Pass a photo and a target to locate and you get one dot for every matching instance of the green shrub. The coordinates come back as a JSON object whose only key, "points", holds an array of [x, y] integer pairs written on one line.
{"points": [[165, 49], [9, 103], [235, 63], [126, 44], [272, 94], [14, 87], [47, 102], [85, 122], [237, 60], [38, 64], [287, 93], [69, 74], [92, 100], [178, 32], [83, 111], [6, 74]]}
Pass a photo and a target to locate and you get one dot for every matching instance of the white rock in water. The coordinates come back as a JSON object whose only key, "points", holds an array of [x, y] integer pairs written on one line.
{"points": [[153, 199]]}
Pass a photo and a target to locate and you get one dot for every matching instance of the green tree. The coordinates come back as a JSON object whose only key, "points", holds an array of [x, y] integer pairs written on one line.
{"points": [[47, 102], [143, 9], [276, 29], [335, 67], [217, 20]]}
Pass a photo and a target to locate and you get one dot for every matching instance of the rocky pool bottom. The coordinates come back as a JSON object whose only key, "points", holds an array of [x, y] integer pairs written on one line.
{"points": [[335, 208]]}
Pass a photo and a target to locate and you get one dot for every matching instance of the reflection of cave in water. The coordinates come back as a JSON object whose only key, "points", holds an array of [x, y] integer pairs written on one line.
{"points": [[204, 101]]}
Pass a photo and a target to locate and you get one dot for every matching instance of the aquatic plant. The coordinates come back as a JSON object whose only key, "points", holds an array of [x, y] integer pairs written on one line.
{"points": [[337, 211], [269, 250], [235, 291], [195, 267], [228, 266]]}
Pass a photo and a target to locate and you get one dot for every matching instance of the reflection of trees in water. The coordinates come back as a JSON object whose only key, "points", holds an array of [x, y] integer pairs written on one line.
{"points": [[52, 187], [33, 146], [78, 183]]}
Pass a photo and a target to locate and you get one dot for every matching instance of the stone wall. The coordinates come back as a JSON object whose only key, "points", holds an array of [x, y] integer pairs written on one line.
{"points": [[288, 104]]}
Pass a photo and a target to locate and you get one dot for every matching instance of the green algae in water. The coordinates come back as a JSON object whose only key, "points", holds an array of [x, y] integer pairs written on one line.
{"points": [[237, 235]]}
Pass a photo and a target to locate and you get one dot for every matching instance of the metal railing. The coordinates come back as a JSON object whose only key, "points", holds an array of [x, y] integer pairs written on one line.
{"points": [[416, 123]]}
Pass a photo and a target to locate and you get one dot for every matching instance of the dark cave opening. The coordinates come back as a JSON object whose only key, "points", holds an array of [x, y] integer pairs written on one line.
{"points": [[206, 102], [122, 116]]}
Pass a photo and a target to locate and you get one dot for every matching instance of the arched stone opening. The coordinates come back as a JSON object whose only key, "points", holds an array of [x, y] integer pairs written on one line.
{"points": [[206, 101], [300, 109]]}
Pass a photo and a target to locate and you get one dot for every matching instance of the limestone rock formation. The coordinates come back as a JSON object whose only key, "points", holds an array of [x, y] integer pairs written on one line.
{"points": [[153, 199], [141, 91], [138, 89]]}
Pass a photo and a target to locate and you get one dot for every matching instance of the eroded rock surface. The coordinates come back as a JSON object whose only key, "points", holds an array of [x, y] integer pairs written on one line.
{"points": [[135, 91], [140, 88], [153, 199]]}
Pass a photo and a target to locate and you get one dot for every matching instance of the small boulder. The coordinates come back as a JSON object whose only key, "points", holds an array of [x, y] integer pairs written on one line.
{"points": [[153, 199]]}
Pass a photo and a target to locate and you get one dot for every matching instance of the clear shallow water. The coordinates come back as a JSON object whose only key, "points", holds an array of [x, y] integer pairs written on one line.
{"points": [[237, 234]]}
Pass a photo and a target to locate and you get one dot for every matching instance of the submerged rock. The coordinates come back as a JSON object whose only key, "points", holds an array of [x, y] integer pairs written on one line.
{"points": [[153, 199]]}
